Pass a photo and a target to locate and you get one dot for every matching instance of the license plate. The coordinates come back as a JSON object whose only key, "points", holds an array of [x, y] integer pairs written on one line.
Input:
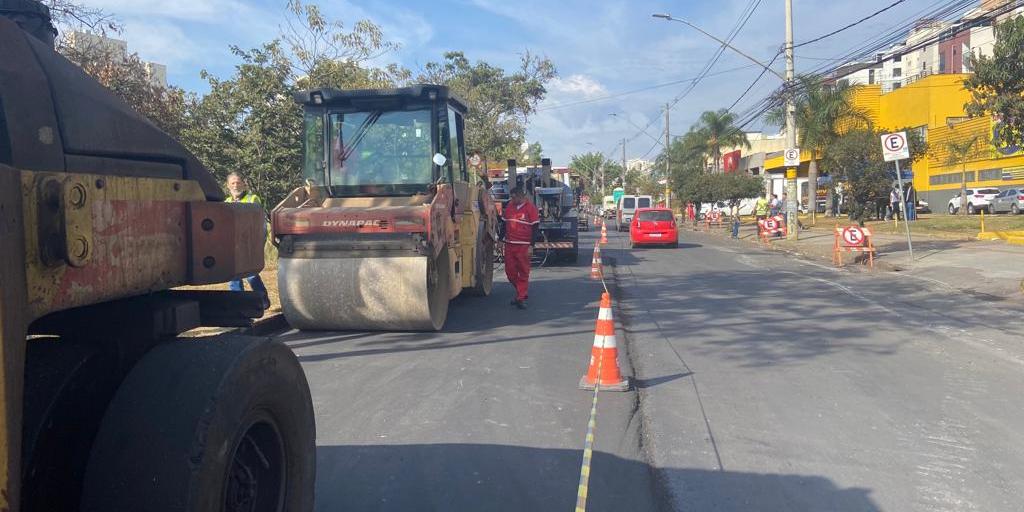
{"points": [[655, 235]]}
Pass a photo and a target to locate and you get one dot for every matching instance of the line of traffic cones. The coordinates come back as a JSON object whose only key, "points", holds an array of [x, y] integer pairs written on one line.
{"points": [[604, 356], [596, 267], [604, 232]]}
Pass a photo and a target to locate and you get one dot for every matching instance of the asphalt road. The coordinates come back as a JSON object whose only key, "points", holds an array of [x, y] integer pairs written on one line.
{"points": [[485, 415], [782, 385]]}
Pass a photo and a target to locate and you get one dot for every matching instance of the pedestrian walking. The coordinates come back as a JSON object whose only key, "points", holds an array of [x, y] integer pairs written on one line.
{"points": [[774, 205], [894, 203], [238, 192], [522, 222], [734, 211]]}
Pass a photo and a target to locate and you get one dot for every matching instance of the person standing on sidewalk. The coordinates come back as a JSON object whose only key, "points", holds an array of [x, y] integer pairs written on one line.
{"points": [[761, 208], [238, 192], [522, 221], [894, 203]]}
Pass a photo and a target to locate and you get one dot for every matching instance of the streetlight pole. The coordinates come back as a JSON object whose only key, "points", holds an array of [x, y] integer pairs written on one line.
{"points": [[791, 200]]}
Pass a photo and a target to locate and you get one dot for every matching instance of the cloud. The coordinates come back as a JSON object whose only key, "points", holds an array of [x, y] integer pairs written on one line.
{"points": [[575, 87]]}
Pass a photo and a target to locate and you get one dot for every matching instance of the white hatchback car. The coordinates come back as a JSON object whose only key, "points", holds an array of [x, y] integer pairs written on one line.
{"points": [[978, 199]]}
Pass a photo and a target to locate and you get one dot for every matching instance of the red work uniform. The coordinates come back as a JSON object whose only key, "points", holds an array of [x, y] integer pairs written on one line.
{"points": [[519, 223]]}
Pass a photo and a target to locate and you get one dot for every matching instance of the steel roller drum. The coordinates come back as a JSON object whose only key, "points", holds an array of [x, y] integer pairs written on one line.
{"points": [[372, 293]]}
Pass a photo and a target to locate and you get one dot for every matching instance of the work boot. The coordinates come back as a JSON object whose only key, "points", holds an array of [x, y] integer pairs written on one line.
{"points": [[521, 304]]}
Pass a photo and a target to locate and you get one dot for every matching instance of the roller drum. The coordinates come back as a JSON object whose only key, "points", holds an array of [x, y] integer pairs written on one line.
{"points": [[391, 293]]}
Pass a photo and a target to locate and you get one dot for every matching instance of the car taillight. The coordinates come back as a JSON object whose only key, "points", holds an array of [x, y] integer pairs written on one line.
{"points": [[1020, 198]]}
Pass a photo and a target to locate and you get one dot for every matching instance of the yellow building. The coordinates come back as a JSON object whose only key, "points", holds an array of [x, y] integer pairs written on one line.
{"points": [[934, 106]]}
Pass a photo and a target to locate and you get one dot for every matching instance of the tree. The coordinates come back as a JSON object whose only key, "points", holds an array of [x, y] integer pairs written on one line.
{"points": [[822, 111], [855, 158], [499, 103], [325, 54], [713, 187], [997, 85], [959, 153], [250, 124], [532, 154], [717, 129]]}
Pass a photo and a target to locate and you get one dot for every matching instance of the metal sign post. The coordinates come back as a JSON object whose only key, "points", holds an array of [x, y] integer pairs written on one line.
{"points": [[894, 149], [791, 159]]}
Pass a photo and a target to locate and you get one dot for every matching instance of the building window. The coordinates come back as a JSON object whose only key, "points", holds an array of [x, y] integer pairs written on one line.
{"points": [[896, 85], [897, 58], [990, 174], [897, 72], [949, 179], [942, 62], [871, 76]]}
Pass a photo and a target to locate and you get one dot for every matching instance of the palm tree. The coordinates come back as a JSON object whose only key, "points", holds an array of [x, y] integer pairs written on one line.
{"points": [[717, 130], [959, 153], [823, 112]]}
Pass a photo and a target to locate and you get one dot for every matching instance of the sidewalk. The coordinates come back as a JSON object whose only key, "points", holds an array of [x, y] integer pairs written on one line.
{"points": [[987, 269]]}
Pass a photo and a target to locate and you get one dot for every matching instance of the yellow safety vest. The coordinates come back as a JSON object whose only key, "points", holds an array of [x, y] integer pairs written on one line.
{"points": [[246, 198]]}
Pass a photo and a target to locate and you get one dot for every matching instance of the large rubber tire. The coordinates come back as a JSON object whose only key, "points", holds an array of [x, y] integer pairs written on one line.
{"points": [[484, 271], [952, 210], [1014, 209], [222, 424], [970, 209]]}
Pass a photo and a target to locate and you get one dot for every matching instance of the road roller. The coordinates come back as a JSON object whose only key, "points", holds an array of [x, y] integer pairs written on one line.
{"points": [[389, 224]]}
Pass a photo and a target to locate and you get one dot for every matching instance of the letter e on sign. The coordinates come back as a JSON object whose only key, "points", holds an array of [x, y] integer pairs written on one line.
{"points": [[895, 147]]}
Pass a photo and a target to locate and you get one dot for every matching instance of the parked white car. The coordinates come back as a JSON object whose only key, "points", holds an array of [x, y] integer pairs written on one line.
{"points": [[978, 199], [1010, 200]]}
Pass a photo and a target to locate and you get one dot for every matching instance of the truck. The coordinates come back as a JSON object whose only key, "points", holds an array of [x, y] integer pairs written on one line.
{"points": [[556, 204], [390, 225], [103, 218]]}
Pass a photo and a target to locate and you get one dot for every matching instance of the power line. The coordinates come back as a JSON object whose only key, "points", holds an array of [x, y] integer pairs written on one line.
{"points": [[851, 25]]}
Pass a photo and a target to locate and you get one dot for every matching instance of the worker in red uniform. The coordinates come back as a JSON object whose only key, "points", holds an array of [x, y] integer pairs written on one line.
{"points": [[521, 223]]}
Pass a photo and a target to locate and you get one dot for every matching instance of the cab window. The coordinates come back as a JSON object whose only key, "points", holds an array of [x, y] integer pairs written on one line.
{"points": [[628, 203], [457, 145], [643, 202]]}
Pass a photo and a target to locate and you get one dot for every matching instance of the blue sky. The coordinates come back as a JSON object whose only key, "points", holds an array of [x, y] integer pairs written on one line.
{"points": [[599, 47]]}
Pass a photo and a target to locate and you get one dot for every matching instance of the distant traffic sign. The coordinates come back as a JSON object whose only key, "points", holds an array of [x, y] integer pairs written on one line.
{"points": [[895, 147], [791, 157]]}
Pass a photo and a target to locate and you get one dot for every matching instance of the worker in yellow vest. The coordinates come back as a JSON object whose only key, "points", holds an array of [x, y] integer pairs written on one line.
{"points": [[238, 192]]}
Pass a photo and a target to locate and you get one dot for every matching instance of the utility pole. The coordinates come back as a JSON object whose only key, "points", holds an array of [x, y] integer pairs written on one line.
{"points": [[623, 164], [791, 172], [668, 167]]}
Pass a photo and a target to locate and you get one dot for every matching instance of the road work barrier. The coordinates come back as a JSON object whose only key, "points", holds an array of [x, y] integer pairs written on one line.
{"points": [[852, 239], [713, 219], [596, 267], [604, 232], [771, 226]]}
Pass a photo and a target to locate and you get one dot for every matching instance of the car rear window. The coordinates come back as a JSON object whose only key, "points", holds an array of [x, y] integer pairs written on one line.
{"points": [[628, 202], [654, 216], [989, 191], [644, 202]]}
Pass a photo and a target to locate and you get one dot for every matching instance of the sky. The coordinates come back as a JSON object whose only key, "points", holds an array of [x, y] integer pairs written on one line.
{"points": [[600, 48]]}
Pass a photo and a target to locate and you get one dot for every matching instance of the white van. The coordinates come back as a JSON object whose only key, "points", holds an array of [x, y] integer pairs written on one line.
{"points": [[627, 206]]}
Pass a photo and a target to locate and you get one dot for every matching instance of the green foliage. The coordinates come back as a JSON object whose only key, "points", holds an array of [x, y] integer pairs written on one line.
{"points": [[249, 124], [717, 186], [822, 111], [717, 130], [997, 85], [499, 103], [961, 151], [533, 154], [855, 159]]}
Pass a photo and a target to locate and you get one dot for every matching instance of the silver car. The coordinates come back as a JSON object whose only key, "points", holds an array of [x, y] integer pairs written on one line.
{"points": [[1010, 200]]}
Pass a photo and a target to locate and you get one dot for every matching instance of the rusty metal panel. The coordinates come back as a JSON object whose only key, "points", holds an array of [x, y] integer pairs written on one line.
{"points": [[227, 241], [13, 325], [127, 236]]}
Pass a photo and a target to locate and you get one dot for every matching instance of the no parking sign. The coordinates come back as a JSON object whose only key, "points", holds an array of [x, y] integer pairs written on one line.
{"points": [[854, 236]]}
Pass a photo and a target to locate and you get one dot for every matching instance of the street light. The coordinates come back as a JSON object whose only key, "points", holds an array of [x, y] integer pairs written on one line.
{"points": [[791, 173]]}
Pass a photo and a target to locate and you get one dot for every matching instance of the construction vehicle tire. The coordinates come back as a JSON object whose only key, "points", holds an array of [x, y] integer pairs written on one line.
{"points": [[223, 423], [484, 271]]}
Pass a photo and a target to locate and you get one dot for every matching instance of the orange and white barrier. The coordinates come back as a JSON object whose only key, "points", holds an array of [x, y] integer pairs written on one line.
{"points": [[770, 227], [596, 267], [712, 218], [604, 232], [852, 239], [604, 356]]}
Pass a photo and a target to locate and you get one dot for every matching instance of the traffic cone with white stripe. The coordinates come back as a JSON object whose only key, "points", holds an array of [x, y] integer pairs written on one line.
{"points": [[596, 267], [604, 233], [604, 356]]}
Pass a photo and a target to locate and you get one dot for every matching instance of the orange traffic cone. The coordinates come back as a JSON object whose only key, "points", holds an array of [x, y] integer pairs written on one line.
{"points": [[604, 233], [604, 356], [596, 268]]}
